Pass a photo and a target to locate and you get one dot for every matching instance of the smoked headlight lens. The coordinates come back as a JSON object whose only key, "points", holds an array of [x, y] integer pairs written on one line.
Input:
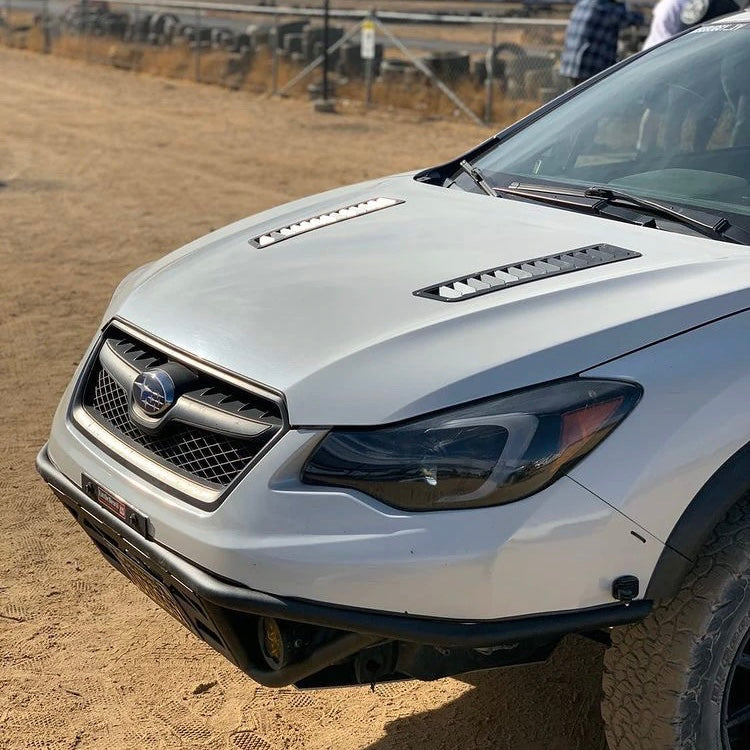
{"points": [[488, 453]]}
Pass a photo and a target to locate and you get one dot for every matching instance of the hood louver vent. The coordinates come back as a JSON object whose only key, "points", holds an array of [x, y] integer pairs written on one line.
{"points": [[322, 220], [522, 272]]}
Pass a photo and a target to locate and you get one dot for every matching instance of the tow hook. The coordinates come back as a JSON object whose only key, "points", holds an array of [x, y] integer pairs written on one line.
{"points": [[625, 588]]}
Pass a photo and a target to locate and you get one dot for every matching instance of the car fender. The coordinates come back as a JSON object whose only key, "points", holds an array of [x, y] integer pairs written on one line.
{"points": [[681, 460], [727, 487]]}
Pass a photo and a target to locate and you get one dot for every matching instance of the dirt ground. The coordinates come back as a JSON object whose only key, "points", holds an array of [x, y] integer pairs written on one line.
{"points": [[101, 171]]}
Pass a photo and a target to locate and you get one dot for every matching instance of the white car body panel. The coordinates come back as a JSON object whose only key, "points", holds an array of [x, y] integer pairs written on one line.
{"points": [[330, 319], [691, 419]]}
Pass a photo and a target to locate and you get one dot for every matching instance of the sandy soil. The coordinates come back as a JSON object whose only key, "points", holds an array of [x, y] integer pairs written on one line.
{"points": [[104, 170]]}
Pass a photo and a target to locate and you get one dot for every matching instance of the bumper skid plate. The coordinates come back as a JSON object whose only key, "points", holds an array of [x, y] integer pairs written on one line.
{"points": [[223, 613]]}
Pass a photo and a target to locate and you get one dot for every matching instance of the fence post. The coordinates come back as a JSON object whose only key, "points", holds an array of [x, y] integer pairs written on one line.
{"points": [[489, 80], [318, 60], [326, 11], [368, 26], [368, 83], [273, 38], [135, 31], [45, 27], [198, 41], [88, 28]]}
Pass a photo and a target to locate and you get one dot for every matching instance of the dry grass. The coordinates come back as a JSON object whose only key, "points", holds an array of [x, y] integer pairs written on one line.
{"points": [[253, 73], [532, 36], [420, 95]]}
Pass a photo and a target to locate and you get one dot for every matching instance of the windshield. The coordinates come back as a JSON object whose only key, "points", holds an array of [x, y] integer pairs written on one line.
{"points": [[672, 125]]}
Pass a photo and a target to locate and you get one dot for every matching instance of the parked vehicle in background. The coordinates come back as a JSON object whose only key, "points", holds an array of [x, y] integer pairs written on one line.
{"points": [[432, 423]]}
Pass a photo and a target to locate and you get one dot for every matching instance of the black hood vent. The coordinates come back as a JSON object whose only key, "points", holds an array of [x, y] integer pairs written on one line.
{"points": [[502, 277]]}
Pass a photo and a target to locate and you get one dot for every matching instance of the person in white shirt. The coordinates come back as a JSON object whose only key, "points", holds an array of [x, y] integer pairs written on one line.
{"points": [[670, 17]]}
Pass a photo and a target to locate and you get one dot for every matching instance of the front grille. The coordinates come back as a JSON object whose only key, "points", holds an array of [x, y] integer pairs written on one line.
{"points": [[201, 454], [214, 458]]}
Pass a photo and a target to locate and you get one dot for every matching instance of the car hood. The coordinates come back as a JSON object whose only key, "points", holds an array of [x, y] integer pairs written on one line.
{"points": [[329, 317]]}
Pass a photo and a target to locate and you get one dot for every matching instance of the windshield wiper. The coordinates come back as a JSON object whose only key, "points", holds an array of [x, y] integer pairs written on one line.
{"points": [[713, 225], [546, 194], [479, 179]]}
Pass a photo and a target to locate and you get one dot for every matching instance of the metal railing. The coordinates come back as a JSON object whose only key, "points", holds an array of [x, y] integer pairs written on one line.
{"points": [[489, 68]]}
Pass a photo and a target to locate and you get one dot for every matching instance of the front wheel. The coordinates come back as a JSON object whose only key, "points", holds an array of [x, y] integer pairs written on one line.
{"points": [[680, 680]]}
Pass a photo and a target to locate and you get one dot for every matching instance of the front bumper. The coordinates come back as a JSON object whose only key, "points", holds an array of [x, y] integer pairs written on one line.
{"points": [[224, 613]]}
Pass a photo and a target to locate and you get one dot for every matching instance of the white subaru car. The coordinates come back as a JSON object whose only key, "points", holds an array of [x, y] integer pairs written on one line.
{"points": [[432, 423]]}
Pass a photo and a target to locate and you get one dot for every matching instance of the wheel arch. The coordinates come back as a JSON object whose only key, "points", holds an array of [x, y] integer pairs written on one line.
{"points": [[724, 489]]}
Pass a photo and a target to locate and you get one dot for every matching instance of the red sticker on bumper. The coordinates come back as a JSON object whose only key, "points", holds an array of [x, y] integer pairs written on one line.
{"points": [[111, 503]]}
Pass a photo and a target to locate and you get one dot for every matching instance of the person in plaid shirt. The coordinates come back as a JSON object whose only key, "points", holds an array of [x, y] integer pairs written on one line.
{"points": [[591, 37]]}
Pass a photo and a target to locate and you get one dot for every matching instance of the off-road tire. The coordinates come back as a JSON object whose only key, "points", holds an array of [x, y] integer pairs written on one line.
{"points": [[665, 678]]}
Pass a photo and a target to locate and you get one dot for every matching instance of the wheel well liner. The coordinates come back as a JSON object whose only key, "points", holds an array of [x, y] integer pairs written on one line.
{"points": [[728, 486]]}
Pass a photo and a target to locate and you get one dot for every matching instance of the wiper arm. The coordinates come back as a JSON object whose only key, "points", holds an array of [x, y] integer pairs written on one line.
{"points": [[479, 179], [545, 194], [712, 225]]}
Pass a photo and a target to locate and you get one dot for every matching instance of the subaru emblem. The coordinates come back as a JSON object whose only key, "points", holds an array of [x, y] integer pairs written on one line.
{"points": [[153, 391]]}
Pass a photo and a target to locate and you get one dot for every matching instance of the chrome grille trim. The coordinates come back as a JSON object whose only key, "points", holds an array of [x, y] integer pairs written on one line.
{"points": [[525, 271], [128, 455], [216, 431], [192, 361]]}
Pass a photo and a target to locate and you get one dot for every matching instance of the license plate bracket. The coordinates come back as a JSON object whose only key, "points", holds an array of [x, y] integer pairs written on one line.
{"points": [[135, 519]]}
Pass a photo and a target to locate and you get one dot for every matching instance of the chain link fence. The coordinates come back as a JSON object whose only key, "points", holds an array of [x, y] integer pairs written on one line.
{"points": [[490, 70]]}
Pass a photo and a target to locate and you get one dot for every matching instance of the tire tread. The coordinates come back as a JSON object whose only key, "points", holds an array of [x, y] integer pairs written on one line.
{"points": [[658, 673]]}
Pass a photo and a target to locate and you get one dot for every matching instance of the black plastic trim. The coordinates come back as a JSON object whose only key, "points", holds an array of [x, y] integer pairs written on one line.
{"points": [[192, 407], [385, 625], [568, 257], [728, 486]]}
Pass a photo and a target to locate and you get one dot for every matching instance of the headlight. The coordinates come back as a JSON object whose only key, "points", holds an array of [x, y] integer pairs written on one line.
{"points": [[488, 453]]}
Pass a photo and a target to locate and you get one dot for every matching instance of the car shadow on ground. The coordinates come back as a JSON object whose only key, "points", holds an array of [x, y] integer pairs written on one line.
{"points": [[549, 706]]}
